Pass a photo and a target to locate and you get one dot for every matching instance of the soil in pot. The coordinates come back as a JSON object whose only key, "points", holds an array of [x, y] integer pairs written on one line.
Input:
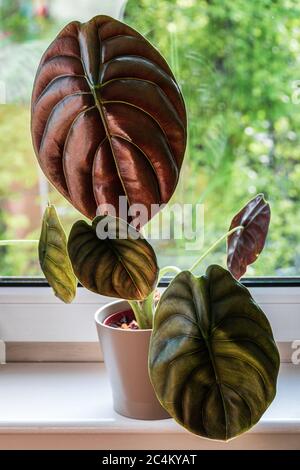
{"points": [[124, 320]]}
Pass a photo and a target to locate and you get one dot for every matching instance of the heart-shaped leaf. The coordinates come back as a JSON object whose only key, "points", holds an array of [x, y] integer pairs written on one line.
{"points": [[108, 118], [119, 264], [244, 246], [54, 259], [213, 360]]}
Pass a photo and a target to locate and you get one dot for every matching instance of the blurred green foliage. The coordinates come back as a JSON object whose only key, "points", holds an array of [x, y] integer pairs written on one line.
{"points": [[19, 22], [18, 173], [19, 27], [238, 65]]}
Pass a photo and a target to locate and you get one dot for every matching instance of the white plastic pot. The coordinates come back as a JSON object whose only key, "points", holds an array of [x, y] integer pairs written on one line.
{"points": [[126, 358]]}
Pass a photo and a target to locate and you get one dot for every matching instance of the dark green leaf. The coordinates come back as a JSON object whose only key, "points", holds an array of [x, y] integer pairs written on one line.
{"points": [[119, 265], [244, 246], [213, 360], [54, 259]]}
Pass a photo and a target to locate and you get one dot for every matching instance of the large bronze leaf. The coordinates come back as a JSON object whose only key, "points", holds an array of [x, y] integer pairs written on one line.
{"points": [[245, 245], [108, 118], [54, 259], [213, 360], [121, 265]]}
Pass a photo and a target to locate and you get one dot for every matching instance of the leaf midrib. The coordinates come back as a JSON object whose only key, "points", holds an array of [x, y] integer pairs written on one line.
{"points": [[206, 339]]}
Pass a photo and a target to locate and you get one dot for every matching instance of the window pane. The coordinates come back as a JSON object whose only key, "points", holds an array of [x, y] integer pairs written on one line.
{"points": [[26, 29], [238, 66]]}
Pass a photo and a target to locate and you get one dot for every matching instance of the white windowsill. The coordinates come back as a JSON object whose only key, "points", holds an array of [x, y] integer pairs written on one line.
{"points": [[69, 405], [72, 399]]}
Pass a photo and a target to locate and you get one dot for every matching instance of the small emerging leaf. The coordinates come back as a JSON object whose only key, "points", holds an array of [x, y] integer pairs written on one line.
{"points": [[54, 259], [121, 265], [245, 245], [213, 361]]}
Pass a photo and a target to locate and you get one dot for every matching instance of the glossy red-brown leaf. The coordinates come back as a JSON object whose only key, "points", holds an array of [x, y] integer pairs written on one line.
{"points": [[244, 246], [108, 118]]}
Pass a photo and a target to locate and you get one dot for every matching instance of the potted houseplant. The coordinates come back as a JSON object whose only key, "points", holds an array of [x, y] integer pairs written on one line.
{"points": [[108, 120]]}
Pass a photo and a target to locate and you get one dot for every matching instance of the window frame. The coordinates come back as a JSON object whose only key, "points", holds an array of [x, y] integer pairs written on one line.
{"points": [[30, 312], [262, 281]]}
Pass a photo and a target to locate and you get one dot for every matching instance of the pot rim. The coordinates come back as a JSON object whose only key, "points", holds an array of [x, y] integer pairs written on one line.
{"points": [[116, 303]]}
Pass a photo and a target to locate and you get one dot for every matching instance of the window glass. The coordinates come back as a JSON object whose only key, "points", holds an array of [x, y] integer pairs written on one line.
{"points": [[237, 63]]}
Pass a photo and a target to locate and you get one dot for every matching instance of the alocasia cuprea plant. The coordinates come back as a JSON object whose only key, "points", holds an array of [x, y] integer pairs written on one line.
{"points": [[108, 120], [213, 361]]}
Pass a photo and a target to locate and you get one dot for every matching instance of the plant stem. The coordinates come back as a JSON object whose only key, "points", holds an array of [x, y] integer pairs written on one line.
{"points": [[140, 315], [213, 246], [144, 310], [147, 306], [168, 269], [15, 242]]}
